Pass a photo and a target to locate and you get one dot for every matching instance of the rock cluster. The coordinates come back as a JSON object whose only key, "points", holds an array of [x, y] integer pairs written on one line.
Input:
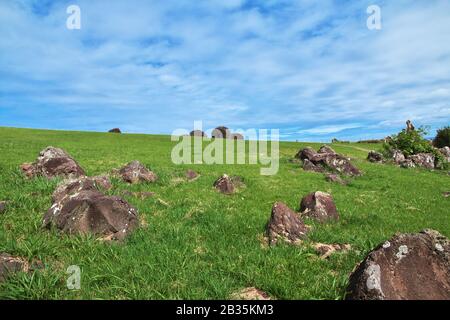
{"points": [[326, 159]]}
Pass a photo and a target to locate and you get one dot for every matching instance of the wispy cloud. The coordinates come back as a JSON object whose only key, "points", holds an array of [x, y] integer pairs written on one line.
{"points": [[310, 68]]}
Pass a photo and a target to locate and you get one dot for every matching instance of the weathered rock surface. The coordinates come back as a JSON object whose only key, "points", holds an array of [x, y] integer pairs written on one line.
{"points": [[135, 172], [285, 224], [53, 162], [225, 184], [328, 160], [309, 166], [398, 156], [115, 130], [326, 149], [374, 156], [71, 186], [332, 177], [250, 294], [326, 250], [425, 160], [80, 208], [319, 206], [10, 264], [407, 267], [198, 133], [407, 163]]}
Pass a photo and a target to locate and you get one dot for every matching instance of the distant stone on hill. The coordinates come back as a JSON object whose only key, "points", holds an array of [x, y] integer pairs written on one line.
{"points": [[374, 156], [406, 267], [53, 162], [221, 132], [115, 130], [285, 224], [328, 160], [80, 208], [135, 172], [236, 136], [198, 133], [225, 184], [319, 206]]}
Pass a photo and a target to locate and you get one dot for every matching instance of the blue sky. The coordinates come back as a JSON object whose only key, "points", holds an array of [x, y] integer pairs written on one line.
{"points": [[309, 68]]}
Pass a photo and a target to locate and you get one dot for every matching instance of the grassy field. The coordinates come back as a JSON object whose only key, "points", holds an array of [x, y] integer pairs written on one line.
{"points": [[196, 243]]}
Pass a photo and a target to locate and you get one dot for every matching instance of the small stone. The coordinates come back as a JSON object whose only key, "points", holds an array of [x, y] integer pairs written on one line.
{"points": [[285, 224], [135, 172], [224, 184], [319, 206], [332, 177], [191, 175], [326, 250], [250, 294]]}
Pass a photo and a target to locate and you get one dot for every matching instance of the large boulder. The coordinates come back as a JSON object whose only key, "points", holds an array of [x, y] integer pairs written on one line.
{"points": [[425, 160], [327, 159], [285, 224], [71, 186], [374, 156], [80, 208], [319, 206], [407, 267], [115, 130], [135, 172], [53, 162]]}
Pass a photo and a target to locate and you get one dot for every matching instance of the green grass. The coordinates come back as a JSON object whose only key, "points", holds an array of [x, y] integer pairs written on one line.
{"points": [[202, 244]]}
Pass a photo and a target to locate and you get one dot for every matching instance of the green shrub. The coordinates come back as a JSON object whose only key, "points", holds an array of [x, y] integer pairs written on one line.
{"points": [[442, 138], [409, 142]]}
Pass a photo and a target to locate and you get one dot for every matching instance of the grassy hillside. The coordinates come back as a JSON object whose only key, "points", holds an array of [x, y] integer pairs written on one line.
{"points": [[196, 243]]}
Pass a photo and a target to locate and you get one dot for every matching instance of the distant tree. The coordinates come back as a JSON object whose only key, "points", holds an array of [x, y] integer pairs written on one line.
{"points": [[442, 138], [409, 142]]}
